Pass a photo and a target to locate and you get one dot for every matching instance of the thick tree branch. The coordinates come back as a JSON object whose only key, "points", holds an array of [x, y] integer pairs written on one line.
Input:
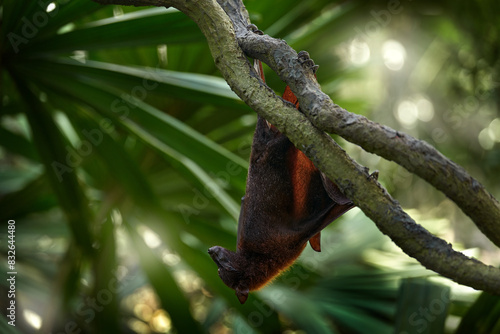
{"points": [[352, 178]]}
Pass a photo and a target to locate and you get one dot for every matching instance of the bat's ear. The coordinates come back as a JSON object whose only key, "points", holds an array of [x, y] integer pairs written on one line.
{"points": [[242, 294], [334, 191]]}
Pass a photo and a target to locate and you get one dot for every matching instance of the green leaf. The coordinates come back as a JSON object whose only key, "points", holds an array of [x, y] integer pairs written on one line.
{"points": [[35, 196], [118, 162], [303, 312], [422, 306], [142, 81], [17, 144], [181, 145], [105, 287], [145, 27], [483, 317], [30, 23], [357, 321], [53, 152]]}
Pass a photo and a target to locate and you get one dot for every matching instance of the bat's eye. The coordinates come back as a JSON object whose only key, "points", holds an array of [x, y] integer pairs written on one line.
{"points": [[226, 264]]}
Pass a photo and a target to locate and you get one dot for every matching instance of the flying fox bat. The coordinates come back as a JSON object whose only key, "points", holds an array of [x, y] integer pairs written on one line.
{"points": [[287, 203]]}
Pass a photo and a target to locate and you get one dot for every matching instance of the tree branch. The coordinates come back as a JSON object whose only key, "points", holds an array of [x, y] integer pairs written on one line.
{"points": [[434, 253]]}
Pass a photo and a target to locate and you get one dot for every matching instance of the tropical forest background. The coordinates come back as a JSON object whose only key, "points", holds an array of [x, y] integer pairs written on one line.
{"points": [[123, 158]]}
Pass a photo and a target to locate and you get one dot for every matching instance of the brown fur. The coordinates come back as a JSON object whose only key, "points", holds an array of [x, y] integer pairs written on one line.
{"points": [[287, 202]]}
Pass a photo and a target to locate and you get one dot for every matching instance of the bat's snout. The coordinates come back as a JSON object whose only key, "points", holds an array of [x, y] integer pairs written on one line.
{"points": [[214, 253], [223, 257]]}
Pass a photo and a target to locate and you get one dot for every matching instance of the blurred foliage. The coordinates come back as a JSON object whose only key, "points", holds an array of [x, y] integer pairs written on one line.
{"points": [[124, 156]]}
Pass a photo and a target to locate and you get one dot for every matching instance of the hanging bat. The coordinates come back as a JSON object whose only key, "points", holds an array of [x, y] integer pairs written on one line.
{"points": [[287, 203]]}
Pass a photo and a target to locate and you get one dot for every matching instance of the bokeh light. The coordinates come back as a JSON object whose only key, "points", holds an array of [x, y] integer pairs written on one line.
{"points": [[394, 55], [359, 52]]}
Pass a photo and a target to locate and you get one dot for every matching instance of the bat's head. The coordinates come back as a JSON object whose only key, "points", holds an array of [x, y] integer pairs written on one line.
{"points": [[231, 270]]}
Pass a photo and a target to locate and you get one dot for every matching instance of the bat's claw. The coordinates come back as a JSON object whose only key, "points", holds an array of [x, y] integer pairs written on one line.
{"points": [[303, 55], [374, 175], [304, 59], [253, 28]]}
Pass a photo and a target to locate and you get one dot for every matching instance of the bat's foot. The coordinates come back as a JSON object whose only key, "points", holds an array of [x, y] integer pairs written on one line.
{"points": [[253, 28], [304, 59], [374, 175]]}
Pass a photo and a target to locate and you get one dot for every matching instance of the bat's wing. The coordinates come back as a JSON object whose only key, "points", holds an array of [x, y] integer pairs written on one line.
{"points": [[285, 193], [317, 201], [326, 211]]}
